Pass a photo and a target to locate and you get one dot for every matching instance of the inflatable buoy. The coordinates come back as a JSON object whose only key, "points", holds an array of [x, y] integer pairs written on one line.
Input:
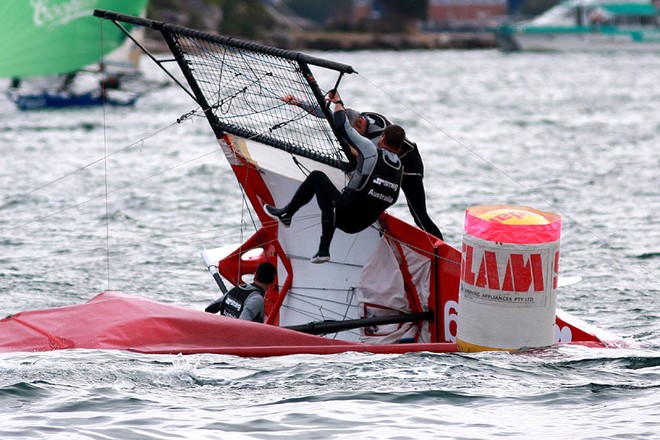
{"points": [[509, 270], [511, 216]]}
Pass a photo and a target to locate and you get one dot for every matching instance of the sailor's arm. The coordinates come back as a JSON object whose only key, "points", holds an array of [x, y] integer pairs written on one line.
{"points": [[253, 307], [358, 144], [216, 305], [313, 109]]}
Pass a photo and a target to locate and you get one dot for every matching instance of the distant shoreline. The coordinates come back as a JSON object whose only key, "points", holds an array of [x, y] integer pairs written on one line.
{"points": [[375, 41], [345, 41]]}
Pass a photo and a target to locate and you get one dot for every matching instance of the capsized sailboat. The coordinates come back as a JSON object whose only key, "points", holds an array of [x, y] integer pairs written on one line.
{"points": [[58, 55], [391, 288]]}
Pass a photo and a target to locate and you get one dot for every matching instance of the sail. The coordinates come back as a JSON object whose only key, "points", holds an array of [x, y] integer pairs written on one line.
{"points": [[151, 327], [49, 37]]}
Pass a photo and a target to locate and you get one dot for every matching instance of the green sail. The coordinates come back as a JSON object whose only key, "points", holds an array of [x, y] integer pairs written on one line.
{"points": [[47, 37]]}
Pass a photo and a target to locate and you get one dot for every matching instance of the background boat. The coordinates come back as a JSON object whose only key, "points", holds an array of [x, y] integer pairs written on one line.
{"points": [[58, 55], [587, 25]]}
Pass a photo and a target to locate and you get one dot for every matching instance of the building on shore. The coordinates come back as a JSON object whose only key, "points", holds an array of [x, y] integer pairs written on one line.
{"points": [[443, 15], [465, 14]]}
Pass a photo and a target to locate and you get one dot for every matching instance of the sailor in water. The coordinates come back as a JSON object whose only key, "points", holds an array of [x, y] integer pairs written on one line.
{"points": [[246, 301], [374, 185], [371, 125]]}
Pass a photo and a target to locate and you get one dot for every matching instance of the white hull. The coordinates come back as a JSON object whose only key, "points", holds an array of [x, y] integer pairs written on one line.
{"points": [[582, 42]]}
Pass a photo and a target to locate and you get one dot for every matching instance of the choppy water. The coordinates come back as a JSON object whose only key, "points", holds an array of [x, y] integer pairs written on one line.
{"points": [[578, 134]]}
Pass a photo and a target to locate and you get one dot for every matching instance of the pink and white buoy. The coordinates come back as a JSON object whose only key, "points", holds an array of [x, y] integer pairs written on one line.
{"points": [[509, 272]]}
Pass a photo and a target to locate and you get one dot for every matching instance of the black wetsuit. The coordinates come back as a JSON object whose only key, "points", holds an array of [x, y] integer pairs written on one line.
{"points": [[374, 186], [413, 174], [233, 303]]}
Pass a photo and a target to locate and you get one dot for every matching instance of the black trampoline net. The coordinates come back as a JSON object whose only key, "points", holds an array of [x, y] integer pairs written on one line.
{"points": [[244, 90]]}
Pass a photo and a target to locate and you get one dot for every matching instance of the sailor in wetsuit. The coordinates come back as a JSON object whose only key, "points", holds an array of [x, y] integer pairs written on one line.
{"points": [[246, 301], [371, 125], [374, 185]]}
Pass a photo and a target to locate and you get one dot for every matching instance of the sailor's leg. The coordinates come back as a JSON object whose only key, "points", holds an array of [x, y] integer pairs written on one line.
{"points": [[323, 254], [326, 194], [316, 183]]}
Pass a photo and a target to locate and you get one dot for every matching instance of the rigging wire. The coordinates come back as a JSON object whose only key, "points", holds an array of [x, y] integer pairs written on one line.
{"points": [[245, 206], [107, 192], [527, 189], [120, 188], [223, 106], [105, 161], [96, 161], [126, 243]]}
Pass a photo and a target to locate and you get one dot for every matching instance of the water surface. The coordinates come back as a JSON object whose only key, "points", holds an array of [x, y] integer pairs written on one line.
{"points": [[577, 134]]}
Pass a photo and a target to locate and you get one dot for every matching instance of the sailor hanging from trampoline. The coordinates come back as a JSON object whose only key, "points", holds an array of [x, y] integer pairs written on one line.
{"points": [[373, 187], [371, 125]]}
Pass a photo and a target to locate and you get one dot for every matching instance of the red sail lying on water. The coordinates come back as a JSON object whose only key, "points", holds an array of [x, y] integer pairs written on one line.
{"points": [[122, 322], [118, 321]]}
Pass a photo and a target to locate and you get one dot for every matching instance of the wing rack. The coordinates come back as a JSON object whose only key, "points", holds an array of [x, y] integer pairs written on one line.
{"points": [[239, 85]]}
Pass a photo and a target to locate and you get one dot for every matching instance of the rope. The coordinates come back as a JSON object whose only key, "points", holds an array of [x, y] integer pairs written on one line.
{"points": [[599, 238], [105, 161], [96, 161], [107, 192]]}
